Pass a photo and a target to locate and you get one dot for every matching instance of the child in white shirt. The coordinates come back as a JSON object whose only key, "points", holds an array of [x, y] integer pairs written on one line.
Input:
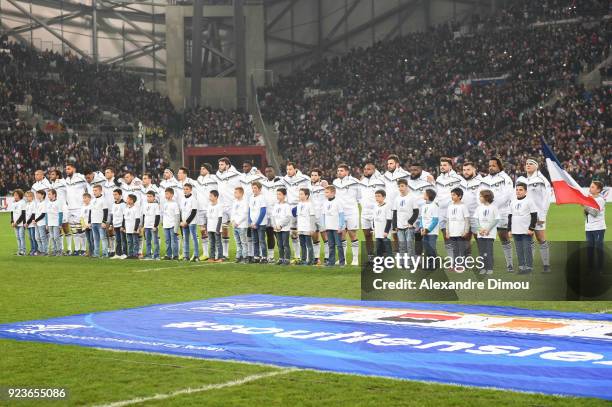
{"points": [[487, 218], [458, 227], [522, 221], [150, 219], [304, 211], [595, 228], [239, 217], [117, 219], [30, 208], [333, 220], [383, 220], [132, 217], [18, 220], [171, 220], [281, 223], [40, 221], [214, 223], [55, 215], [428, 223]]}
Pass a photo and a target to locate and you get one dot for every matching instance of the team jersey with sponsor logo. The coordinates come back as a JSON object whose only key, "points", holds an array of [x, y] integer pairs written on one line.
{"points": [[418, 186], [256, 204], [76, 186], [369, 186], [348, 193], [205, 184], [390, 179], [503, 190], [293, 186], [171, 215], [471, 193], [281, 216], [445, 183]]}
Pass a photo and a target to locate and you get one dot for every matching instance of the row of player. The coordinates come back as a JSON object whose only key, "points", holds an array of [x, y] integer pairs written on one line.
{"points": [[193, 200]]}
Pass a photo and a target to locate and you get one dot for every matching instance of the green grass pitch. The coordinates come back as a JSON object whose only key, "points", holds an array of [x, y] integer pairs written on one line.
{"points": [[38, 288]]}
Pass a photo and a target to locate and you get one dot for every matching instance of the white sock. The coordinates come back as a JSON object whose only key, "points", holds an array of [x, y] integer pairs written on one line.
{"points": [[225, 244], [355, 249], [317, 249], [205, 247], [250, 246], [295, 246], [344, 248]]}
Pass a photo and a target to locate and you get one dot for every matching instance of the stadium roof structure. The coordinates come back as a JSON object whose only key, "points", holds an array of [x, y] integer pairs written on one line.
{"points": [[131, 33]]}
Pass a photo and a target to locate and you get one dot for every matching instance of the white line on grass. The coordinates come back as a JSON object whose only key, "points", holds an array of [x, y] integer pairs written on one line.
{"points": [[180, 267], [207, 387]]}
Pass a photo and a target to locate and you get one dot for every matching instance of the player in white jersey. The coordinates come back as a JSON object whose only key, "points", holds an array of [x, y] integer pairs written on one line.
{"points": [[205, 183], [471, 198], [394, 173], [228, 178], [317, 197], [502, 187], [76, 186], [148, 185], [293, 181], [445, 183], [540, 193], [169, 181], [41, 183], [269, 184], [371, 182], [348, 194], [418, 182], [108, 187], [93, 178], [59, 185]]}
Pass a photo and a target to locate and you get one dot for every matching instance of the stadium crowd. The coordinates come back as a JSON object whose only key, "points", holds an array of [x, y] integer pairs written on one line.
{"points": [[420, 95], [208, 126]]}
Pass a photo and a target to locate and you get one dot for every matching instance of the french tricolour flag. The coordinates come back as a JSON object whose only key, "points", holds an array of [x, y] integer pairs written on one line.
{"points": [[567, 190]]}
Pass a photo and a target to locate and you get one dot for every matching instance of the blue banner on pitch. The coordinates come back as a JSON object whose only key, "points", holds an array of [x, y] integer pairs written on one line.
{"points": [[500, 347]]}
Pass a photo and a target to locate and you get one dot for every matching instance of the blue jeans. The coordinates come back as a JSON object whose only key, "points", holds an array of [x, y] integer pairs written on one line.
{"points": [[282, 240], [132, 244], [383, 247], [172, 243], [152, 236], [524, 253], [90, 241], [306, 248], [429, 249], [32, 237], [42, 239], [405, 240], [99, 235], [20, 235], [260, 248], [120, 242], [333, 241], [55, 240], [215, 249], [595, 249], [191, 231], [240, 234]]}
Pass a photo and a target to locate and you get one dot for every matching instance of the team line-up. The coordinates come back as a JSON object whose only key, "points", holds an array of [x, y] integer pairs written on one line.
{"points": [[104, 216]]}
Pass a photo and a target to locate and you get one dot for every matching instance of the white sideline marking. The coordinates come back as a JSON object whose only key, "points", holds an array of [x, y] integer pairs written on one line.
{"points": [[207, 387]]}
